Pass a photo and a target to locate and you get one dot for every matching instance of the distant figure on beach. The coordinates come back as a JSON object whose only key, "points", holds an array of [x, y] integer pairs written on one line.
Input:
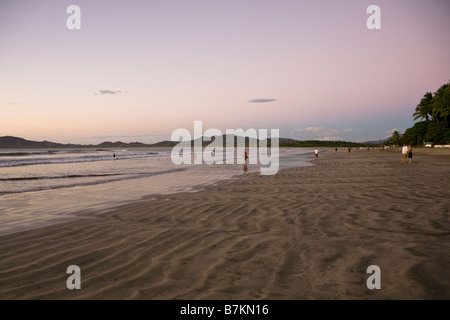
{"points": [[404, 153], [335, 149], [316, 153], [349, 149], [245, 161], [410, 153], [114, 156]]}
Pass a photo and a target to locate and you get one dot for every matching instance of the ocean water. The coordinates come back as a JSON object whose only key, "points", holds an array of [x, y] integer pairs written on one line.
{"points": [[40, 187]]}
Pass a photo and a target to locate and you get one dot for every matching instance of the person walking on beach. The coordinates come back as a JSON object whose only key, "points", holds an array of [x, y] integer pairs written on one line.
{"points": [[316, 153], [410, 153], [245, 161], [404, 153]]}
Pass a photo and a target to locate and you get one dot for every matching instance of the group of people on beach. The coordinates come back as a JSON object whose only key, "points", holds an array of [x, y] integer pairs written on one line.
{"points": [[406, 153]]}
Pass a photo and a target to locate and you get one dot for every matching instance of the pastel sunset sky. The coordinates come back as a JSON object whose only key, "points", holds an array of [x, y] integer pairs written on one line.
{"points": [[137, 70]]}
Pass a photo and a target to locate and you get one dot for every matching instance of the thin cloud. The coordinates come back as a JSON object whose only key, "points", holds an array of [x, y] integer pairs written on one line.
{"points": [[331, 138], [321, 133], [390, 132], [261, 100], [110, 92]]}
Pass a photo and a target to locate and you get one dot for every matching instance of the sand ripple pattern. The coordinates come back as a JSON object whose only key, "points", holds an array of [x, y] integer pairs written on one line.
{"points": [[305, 233]]}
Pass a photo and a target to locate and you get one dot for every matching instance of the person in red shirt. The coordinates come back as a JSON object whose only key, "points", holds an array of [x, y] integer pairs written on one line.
{"points": [[245, 161]]}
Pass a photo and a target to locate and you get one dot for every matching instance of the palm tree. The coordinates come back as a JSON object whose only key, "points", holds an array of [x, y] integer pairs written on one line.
{"points": [[445, 102], [395, 138], [440, 104], [425, 108]]}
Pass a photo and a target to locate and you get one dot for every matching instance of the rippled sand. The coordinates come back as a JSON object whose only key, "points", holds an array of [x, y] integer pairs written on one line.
{"points": [[305, 233]]}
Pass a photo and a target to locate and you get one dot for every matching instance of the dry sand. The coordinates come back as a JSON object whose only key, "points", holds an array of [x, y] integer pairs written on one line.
{"points": [[305, 233]]}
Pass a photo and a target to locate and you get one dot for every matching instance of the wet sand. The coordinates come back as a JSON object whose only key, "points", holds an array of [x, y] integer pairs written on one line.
{"points": [[305, 233]]}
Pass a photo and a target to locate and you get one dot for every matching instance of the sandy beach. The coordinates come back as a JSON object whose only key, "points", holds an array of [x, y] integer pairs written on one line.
{"points": [[305, 233]]}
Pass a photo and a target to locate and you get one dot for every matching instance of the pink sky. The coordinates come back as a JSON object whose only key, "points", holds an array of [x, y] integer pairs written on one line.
{"points": [[173, 62]]}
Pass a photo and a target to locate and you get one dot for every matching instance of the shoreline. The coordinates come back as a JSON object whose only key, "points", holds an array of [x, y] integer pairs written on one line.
{"points": [[48, 204], [305, 233]]}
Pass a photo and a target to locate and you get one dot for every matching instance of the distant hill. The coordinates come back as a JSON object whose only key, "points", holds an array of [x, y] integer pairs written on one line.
{"points": [[120, 144], [8, 142], [165, 143], [320, 143]]}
